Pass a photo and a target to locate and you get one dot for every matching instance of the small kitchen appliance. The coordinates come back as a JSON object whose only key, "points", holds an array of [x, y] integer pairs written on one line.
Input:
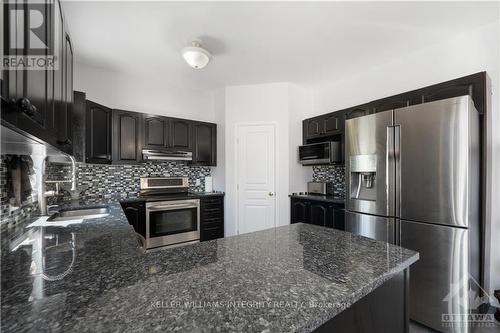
{"points": [[320, 188]]}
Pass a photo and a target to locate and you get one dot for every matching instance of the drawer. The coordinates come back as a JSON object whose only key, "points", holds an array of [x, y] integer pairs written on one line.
{"points": [[212, 201], [211, 223], [210, 205], [212, 233], [208, 211]]}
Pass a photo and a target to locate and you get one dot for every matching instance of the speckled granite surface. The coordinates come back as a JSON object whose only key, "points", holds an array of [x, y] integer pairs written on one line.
{"points": [[96, 279]]}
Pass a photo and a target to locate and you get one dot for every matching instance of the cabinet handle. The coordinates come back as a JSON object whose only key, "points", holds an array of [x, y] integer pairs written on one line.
{"points": [[26, 107], [64, 142]]}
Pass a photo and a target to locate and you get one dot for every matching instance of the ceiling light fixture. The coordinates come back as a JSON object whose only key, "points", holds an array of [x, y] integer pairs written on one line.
{"points": [[195, 55]]}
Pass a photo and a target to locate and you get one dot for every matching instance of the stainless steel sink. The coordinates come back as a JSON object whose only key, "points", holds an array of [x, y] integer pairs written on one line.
{"points": [[80, 214]]}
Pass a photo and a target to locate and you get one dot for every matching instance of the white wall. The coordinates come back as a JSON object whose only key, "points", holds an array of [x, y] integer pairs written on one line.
{"points": [[218, 173], [277, 103], [300, 107], [118, 90], [265, 103], [468, 53]]}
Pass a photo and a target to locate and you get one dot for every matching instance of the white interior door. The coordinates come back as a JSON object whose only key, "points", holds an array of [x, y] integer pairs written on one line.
{"points": [[256, 177]]}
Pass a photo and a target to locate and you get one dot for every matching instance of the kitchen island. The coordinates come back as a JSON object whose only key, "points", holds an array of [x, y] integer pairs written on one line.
{"points": [[94, 277]]}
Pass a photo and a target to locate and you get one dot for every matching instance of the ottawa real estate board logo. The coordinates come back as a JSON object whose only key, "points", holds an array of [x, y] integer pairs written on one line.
{"points": [[28, 35]]}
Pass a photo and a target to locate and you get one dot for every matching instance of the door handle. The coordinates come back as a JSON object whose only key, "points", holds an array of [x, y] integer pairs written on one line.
{"points": [[271, 194]]}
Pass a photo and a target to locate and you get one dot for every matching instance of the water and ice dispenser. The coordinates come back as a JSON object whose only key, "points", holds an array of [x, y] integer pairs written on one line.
{"points": [[363, 179]]}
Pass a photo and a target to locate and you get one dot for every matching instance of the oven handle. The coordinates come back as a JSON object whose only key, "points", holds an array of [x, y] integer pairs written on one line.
{"points": [[172, 206]]}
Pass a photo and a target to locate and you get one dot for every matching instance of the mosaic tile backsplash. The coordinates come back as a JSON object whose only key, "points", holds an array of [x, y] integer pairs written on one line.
{"points": [[93, 181], [12, 213], [106, 181], [331, 173]]}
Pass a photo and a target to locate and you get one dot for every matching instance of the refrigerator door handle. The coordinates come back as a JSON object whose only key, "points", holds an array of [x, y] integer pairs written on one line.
{"points": [[397, 159], [389, 172]]}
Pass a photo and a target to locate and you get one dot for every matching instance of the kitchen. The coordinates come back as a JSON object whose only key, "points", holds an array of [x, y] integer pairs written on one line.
{"points": [[185, 166]]}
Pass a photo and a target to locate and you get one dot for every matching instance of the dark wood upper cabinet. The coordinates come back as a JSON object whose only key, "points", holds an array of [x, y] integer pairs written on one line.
{"points": [[97, 133], [313, 127], [333, 123], [323, 126], [78, 125], [39, 101], [357, 111], [204, 144], [181, 137], [126, 134], [156, 130], [65, 108]]}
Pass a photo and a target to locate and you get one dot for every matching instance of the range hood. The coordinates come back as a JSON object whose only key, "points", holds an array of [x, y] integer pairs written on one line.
{"points": [[163, 155]]}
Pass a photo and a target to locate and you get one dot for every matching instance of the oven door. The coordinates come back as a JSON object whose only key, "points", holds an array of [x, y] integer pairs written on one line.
{"points": [[172, 222]]}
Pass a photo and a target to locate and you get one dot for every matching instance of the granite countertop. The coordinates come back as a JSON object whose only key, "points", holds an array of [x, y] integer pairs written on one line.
{"points": [[189, 195], [96, 279], [317, 197]]}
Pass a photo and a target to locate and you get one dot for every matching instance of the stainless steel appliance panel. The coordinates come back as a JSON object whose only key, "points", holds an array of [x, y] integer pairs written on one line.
{"points": [[322, 188], [375, 227], [439, 164], [439, 279], [329, 152], [171, 235], [369, 151]]}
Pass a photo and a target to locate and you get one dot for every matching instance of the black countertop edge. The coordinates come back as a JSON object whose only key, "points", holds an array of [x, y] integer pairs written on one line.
{"points": [[316, 197]]}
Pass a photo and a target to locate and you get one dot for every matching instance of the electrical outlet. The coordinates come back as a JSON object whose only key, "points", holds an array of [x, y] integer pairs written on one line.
{"points": [[198, 182]]}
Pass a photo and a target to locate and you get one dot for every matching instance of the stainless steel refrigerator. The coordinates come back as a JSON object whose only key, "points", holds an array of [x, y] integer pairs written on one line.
{"points": [[413, 180]]}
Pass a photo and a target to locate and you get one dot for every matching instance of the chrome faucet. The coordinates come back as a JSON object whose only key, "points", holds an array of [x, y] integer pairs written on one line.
{"points": [[73, 191]]}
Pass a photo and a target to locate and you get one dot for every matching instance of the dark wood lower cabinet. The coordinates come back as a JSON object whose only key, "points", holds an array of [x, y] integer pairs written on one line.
{"points": [[386, 309], [322, 213], [136, 215], [211, 217]]}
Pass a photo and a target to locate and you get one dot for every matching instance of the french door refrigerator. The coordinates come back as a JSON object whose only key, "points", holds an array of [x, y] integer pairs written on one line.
{"points": [[413, 180]]}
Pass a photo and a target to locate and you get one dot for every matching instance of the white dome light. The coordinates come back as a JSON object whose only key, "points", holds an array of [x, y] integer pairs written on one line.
{"points": [[196, 56]]}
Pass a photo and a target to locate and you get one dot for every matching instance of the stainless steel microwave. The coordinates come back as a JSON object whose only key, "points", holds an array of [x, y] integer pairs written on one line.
{"points": [[321, 153]]}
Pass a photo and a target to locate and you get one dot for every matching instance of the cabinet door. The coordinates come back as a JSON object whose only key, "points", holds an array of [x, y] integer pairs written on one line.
{"points": [[180, 134], [205, 144], [395, 102], [333, 123], [60, 110], [156, 130], [357, 111], [64, 117], [78, 125], [211, 218], [299, 213], [313, 127], [136, 216], [318, 214], [126, 136], [97, 133], [29, 91]]}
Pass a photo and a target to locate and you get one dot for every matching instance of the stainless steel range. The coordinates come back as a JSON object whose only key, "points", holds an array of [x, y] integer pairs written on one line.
{"points": [[172, 217]]}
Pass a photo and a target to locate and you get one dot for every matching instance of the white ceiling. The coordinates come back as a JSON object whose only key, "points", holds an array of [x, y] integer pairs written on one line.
{"points": [[258, 42]]}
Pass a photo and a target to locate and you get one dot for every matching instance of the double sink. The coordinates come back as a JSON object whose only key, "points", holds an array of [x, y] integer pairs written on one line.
{"points": [[82, 213]]}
